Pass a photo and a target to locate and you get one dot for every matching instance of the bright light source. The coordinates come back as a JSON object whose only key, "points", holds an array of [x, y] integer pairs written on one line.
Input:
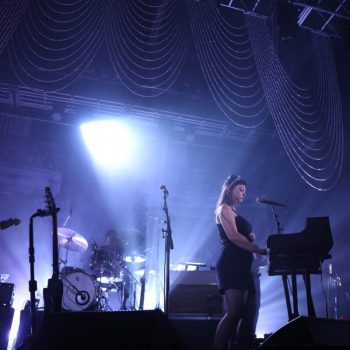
{"points": [[109, 142]]}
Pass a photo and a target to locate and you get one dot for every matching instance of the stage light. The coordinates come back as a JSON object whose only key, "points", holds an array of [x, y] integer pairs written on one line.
{"points": [[110, 142]]}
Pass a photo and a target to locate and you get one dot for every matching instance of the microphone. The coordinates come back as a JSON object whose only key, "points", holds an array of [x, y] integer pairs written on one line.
{"points": [[7, 223], [269, 202], [164, 189]]}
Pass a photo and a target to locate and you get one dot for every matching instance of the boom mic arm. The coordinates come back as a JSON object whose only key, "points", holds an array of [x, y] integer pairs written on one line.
{"points": [[269, 202]]}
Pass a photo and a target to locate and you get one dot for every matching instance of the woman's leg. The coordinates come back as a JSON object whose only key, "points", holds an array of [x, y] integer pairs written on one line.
{"points": [[246, 328], [235, 299]]}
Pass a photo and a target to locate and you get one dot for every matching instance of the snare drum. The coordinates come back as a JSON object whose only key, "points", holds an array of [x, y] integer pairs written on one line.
{"points": [[79, 291]]}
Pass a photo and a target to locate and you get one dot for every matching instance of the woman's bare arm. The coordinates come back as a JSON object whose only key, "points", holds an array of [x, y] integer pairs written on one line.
{"points": [[227, 218]]}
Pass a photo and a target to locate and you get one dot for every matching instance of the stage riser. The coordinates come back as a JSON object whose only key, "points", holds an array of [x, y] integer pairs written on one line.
{"points": [[107, 330]]}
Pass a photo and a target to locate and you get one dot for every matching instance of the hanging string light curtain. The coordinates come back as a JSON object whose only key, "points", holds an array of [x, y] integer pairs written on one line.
{"points": [[11, 12], [308, 119], [56, 40], [228, 64], [147, 44]]}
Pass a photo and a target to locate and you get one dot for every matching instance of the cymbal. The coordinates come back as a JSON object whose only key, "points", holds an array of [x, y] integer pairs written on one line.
{"points": [[132, 233], [141, 272], [134, 258], [133, 237], [71, 240]]}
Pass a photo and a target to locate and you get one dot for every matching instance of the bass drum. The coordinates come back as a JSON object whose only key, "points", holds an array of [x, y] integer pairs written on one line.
{"points": [[66, 270], [79, 291]]}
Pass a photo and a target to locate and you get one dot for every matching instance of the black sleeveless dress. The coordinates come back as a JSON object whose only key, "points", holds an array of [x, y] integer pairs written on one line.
{"points": [[234, 263]]}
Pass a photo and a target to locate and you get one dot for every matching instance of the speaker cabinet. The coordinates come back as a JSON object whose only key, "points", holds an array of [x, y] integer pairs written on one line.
{"points": [[107, 330], [306, 332]]}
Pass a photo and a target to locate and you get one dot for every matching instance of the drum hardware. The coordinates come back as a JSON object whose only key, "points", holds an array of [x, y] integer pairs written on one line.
{"points": [[107, 267], [103, 262], [111, 273], [106, 285], [129, 282], [102, 300]]}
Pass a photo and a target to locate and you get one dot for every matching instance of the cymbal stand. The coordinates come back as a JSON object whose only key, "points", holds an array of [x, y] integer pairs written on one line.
{"points": [[32, 282], [133, 289], [167, 234], [63, 261], [67, 249]]}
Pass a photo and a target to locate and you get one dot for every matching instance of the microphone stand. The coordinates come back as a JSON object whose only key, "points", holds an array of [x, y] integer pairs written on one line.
{"points": [[291, 315], [168, 245], [33, 286], [32, 282]]}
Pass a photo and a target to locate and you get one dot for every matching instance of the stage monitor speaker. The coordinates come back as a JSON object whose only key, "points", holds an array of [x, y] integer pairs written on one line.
{"points": [[198, 333], [306, 332], [149, 329]]}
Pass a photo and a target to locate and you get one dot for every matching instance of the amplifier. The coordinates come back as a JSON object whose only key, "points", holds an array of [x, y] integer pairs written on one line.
{"points": [[194, 293], [193, 277], [6, 294]]}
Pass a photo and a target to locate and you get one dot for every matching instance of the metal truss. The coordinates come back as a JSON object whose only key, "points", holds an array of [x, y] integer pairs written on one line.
{"points": [[20, 101], [328, 17]]}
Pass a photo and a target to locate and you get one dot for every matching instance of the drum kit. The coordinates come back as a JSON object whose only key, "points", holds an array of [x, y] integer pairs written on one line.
{"points": [[111, 272]]}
